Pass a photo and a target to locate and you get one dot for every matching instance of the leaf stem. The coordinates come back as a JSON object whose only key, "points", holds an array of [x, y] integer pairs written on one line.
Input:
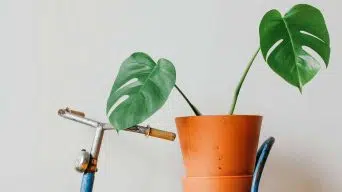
{"points": [[237, 90], [194, 109]]}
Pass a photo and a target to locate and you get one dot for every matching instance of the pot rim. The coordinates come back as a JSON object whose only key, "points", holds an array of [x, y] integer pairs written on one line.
{"points": [[219, 116]]}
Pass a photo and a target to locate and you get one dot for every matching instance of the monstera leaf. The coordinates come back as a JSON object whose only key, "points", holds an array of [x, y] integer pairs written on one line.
{"points": [[143, 85], [282, 40]]}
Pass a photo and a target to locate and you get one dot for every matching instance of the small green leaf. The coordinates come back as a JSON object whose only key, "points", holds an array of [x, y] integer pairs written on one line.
{"points": [[146, 85], [282, 40]]}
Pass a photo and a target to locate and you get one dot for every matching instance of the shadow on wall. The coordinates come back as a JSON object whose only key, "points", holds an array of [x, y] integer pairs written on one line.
{"points": [[284, 174]]}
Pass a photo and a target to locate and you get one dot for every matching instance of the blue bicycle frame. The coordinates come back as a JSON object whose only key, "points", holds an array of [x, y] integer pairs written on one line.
{"points": [[87, 182]]}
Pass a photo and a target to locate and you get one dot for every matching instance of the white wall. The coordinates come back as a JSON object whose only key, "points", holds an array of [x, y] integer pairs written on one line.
{"points": [[57, 53]]}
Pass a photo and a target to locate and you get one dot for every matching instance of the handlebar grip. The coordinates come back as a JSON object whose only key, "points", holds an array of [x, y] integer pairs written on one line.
{"points": [[78, 113], [161, 134]]}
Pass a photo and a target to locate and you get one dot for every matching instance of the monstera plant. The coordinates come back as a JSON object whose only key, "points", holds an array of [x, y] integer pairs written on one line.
{"points": [[287, 42], [219, 151]]}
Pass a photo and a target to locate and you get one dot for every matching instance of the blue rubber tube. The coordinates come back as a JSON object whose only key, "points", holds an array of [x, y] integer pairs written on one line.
{"points": [[262, 155], [87, 182]]}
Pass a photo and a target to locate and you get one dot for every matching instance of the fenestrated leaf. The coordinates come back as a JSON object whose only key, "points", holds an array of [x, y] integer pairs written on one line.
{"points": [[147, 85], [282, 40]]}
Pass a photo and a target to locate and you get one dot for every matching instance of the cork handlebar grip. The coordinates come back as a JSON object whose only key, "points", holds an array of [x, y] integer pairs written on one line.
{"points": [[161, 134], [78, 113]]}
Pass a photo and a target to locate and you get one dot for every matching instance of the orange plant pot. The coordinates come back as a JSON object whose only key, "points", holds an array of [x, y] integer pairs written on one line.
{"points": [[217, 184], [224, 145]]}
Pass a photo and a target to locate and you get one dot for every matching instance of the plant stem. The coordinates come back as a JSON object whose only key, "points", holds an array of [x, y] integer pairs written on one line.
{"points": [[194, 109], [237, 90]]}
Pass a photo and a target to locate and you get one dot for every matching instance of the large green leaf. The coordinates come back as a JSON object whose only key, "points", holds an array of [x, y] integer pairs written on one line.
{"points": [[147, 85], [282, 40]]}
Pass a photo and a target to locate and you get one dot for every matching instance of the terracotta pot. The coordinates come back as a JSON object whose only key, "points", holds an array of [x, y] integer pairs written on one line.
{"points": [[217, 184], [223, 145]]}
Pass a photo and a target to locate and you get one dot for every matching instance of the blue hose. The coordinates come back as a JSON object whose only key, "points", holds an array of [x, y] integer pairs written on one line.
{"points": [[262, 155]]}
